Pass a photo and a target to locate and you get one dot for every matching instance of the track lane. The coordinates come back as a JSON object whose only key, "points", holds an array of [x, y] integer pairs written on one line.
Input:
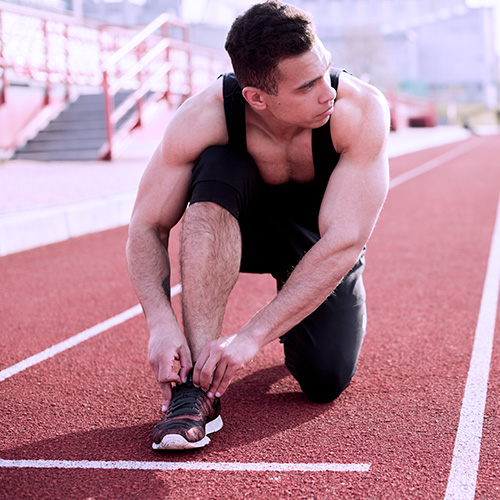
{"points": [[488, 485], [408, 161], [441, 272], [52, 292], [463, 474], [367, 422]]}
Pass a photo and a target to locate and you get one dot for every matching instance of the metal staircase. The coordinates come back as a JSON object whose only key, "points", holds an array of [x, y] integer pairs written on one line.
{"points": [[123, 74], [77, 134]]}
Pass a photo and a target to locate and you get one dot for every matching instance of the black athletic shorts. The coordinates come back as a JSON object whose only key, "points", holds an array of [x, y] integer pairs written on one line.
{"points": [[279, 224]]}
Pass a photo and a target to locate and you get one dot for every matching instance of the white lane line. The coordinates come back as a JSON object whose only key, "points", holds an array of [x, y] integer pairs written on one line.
{"points": [[76, 339], [435, 162], [196, 466], [465, 463]]}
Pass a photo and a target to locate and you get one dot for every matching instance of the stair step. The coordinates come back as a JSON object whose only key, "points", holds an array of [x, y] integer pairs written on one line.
{"points": [[82, 134], [78, 133], [96, 101], [66, 145], [75, 126], [74, 155], [72, 116]]}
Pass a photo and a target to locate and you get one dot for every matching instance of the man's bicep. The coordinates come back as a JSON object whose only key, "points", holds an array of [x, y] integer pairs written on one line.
{"points": [[353, 199], [162, 195], [359, 183]]}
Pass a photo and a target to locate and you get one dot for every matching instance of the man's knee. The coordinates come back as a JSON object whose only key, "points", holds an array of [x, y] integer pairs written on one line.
{"points": [[324, 386], [322, 352], [322, 378]]}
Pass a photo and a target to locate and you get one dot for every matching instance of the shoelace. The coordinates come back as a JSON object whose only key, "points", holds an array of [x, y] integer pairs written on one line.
{"points": [[185, 400]]}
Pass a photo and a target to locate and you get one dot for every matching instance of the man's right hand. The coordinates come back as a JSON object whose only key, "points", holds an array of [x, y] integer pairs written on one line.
{"points": [[166, 351]]}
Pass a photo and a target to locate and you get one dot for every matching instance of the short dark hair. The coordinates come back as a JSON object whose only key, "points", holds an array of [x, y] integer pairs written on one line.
{"points": [[263, 36]]}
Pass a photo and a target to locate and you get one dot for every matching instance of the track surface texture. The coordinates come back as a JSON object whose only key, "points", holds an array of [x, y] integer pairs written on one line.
{"points": [[76, 424]]}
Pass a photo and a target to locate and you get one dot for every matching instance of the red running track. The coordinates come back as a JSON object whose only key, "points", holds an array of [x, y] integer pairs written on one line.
{"points": [[76, 424]]}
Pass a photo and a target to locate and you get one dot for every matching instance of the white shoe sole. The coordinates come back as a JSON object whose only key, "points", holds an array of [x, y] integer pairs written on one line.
{"points": [[177, 442]]}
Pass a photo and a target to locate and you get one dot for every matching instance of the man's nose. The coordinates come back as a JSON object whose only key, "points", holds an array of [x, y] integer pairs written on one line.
{"points": [[329, 93]]}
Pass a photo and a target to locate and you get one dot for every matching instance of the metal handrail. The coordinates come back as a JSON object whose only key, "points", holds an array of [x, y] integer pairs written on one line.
{"points": [[45, 48], [151, 71], [139, 76], [132, 44]]}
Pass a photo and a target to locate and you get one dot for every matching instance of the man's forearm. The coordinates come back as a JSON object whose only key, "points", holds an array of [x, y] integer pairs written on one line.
{"points": [[149, 271], [315, 277]]}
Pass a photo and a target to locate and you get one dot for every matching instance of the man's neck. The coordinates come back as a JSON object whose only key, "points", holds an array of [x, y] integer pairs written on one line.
{"points": [[277, 130]]}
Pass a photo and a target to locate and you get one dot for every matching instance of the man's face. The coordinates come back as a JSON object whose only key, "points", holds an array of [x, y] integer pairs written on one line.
{"points": [[305, 96]]}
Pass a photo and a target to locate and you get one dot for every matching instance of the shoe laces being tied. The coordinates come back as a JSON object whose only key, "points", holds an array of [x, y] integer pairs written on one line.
{"points": [[186, 399]]}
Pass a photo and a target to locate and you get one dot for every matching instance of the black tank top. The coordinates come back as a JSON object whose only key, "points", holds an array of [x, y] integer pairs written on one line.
{"points": [[324, 155], [302, 200]]}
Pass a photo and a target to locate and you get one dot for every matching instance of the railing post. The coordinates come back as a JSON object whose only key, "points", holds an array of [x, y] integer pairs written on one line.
{"points": [[3, 98], [108, 110], [46, 99], [140, 101], [67, 76], [3, 64], [165, 34], [185, 36]]}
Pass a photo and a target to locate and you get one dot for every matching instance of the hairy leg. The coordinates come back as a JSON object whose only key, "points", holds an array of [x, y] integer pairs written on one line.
{"points": [[210, 264]]}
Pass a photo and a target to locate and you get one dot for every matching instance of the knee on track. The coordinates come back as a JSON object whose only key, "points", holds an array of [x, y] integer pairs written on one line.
{"points": [[324, 386]]}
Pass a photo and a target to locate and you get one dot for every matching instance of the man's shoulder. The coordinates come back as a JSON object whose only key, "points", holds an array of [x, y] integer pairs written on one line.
{"points": [[198, 123], [202, 109], [210, 96], [360, 109], [355, 92]]}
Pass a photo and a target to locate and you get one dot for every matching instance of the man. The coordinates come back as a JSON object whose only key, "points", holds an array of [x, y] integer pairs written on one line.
{"points": [[285, 170]]}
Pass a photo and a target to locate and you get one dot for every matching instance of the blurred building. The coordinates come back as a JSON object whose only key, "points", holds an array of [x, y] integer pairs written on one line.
{"points": [[440, 48], [121, 12], [446, 49], [129, 12]]}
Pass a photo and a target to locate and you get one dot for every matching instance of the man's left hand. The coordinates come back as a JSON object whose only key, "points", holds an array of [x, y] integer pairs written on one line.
{"points": [[220, 360]]}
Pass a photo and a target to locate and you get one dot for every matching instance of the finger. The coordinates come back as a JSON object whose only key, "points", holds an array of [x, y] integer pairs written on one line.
{"points": [[167, 374], [186, 364], [218, 377], [219, 389], [198, 366], [207, 372], [166, 392]]}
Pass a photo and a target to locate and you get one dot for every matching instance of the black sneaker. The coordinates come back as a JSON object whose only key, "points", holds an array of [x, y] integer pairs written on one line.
{"points": [[191, 415]]}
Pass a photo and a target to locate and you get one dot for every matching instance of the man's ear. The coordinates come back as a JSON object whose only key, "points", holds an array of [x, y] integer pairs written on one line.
{"points": [[255, 97]]}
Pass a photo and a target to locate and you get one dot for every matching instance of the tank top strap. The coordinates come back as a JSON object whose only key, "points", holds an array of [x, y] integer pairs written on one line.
{"points": [[234, 109], [324, 155]]}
